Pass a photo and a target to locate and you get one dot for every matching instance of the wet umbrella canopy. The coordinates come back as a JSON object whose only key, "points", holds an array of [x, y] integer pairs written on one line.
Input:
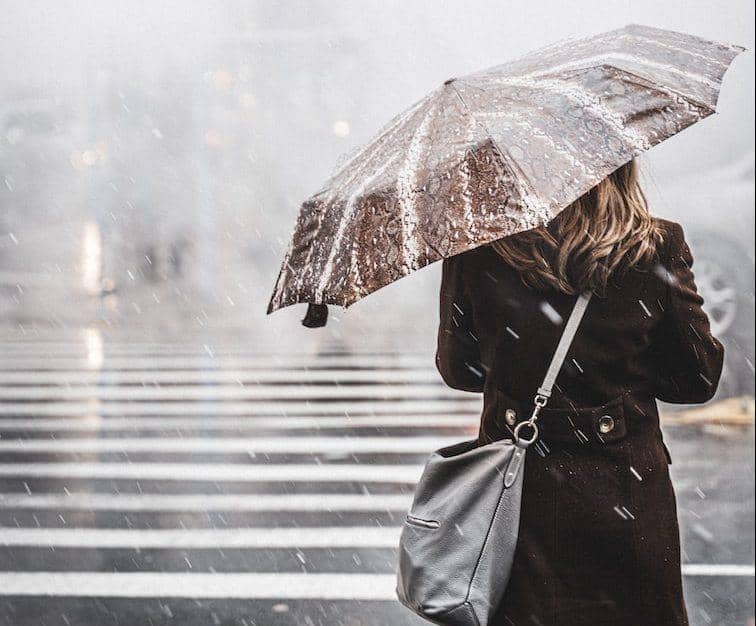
{"points": [[495, 153]]}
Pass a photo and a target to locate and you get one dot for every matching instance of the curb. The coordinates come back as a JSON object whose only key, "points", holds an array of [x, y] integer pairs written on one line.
{"points": [[737, 411]]}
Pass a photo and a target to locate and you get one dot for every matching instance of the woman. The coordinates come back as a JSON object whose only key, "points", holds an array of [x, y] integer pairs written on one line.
{"points": [[599, 538]]}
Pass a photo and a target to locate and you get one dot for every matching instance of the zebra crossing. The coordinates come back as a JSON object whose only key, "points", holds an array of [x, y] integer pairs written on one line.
{"points": [[144, 471], [190, 484]]}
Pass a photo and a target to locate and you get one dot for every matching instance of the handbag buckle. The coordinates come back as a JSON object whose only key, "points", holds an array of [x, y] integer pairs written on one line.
{"points": [[522, 442], [539, 402]]}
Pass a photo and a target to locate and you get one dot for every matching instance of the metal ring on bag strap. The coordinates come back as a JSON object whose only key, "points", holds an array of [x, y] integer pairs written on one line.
{"points": [[524, 443], [539, 402]]}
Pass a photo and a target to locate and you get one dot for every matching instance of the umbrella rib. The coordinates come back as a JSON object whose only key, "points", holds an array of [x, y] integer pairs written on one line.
{"points": [[465, 172], [586, 99], [697, 55], [512, 163], [380, 138], [406, 179], [582, 65], [337, 187], [668, 90], [351, 207]]}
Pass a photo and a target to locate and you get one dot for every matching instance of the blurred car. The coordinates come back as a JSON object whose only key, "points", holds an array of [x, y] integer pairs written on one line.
{"points": [[719, 226]]}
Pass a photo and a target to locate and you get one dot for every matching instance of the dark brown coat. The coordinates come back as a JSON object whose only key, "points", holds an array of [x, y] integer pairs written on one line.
{"points": [[599, 538]]}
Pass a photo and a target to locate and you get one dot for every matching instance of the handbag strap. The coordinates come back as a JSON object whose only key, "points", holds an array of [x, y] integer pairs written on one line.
{"points": [[544, 391], [565, 341]]}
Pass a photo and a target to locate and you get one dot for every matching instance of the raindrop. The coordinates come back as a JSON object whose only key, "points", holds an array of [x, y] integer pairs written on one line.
{"points": [[551, 313]]}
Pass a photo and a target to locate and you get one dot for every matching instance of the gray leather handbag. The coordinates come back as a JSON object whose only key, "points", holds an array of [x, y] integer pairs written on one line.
{"points": [[458, 541]]}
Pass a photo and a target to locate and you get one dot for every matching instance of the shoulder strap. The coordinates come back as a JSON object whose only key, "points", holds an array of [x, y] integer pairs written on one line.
{"points": [[568, 334], [544, 391]]}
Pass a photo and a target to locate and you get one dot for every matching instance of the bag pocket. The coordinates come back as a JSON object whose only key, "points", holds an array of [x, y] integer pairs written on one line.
{"points": [[419, 522]]}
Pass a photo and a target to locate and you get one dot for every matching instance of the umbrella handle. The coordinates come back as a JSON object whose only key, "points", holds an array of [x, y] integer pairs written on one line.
{"points": [[316, 316]]}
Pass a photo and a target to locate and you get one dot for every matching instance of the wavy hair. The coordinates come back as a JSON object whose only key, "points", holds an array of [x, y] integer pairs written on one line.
{"points": [[606, 231]]}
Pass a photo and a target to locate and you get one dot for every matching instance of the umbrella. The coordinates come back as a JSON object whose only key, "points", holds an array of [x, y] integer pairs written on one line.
{"points": [[492, 154]]}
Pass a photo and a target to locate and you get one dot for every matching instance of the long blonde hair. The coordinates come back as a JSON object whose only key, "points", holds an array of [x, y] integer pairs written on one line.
{"points": [[606, 231]]}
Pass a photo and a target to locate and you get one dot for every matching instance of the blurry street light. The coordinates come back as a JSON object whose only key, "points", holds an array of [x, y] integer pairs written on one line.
{"points": [[91, 258], [341, 128], [247, 100]]}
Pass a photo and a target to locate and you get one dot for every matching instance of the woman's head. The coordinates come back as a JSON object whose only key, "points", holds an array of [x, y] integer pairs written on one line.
{"points": [[609, 229]]}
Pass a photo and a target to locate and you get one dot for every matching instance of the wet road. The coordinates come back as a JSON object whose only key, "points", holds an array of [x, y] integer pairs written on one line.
{"points": [[167, 484]]}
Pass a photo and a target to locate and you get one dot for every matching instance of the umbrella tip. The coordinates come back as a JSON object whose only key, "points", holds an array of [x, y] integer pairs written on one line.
{"points": [[449, 81], [316, 316]]}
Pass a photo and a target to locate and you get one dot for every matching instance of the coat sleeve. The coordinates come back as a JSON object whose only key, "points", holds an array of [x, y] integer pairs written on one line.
{"points": [[688, 357], [458, 353]]}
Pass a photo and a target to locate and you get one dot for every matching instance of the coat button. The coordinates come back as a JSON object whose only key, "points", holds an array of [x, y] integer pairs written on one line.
{"points": [[510, 417], [606, 424]]}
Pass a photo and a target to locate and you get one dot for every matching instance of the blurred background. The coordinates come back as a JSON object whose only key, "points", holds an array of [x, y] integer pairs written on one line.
{"points": [[153, 156]]}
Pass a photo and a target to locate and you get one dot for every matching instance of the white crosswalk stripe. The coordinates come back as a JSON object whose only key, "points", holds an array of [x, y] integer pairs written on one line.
{"points": [[80, 378], [217, 472], [252, 445], [169, 502], [213, 407], [321, 537], [161, 361], [96, 423], [229, 392], [247, 586]]}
